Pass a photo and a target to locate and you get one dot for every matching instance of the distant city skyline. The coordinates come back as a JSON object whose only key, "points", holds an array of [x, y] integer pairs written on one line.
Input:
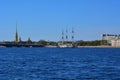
{"points": [[45, 19]]}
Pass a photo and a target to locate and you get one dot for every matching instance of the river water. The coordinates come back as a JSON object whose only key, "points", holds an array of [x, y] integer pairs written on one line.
{"points": [[59, 64]]}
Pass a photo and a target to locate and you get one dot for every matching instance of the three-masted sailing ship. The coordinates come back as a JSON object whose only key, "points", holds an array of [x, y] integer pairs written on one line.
{"points": [[65, 43]]}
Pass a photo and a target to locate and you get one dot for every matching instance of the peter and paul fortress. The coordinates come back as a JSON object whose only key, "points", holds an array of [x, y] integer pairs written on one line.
{"points": [[17, 42]]}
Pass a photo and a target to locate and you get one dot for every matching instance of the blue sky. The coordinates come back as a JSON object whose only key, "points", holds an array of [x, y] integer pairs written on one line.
{"points": [[45, 19]]}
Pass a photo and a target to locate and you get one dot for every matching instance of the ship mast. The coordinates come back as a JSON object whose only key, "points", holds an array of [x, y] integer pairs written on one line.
{"points": [[66, 35], [72, 35], [62, 37]]}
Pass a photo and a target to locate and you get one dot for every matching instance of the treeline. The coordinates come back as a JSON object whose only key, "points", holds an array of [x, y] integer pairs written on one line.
{"points": [[91, 43], [45, 43], [76, 43]]}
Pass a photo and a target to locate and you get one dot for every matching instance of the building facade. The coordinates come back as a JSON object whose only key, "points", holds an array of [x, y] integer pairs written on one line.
{"points": [[115, 42], [110, 37]]}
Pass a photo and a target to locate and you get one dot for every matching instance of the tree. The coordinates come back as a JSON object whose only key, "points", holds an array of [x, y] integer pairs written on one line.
{"points": [[42, 42]]}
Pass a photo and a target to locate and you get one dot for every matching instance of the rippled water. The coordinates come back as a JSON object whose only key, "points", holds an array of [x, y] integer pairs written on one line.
{"points": [[59, 64]]}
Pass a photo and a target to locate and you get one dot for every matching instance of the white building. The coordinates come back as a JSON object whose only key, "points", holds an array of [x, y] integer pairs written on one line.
{"points": [[110, 37], [115, 42]]}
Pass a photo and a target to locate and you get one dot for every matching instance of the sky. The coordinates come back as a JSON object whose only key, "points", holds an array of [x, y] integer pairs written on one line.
{"points": [[46, 19]]}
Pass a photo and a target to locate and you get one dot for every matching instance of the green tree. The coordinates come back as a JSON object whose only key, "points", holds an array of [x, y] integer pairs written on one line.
{"points": [[42, 42]]}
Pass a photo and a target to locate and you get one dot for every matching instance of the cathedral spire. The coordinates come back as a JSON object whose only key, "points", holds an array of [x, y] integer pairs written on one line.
{"points": [[16, 27], [16, 35]]}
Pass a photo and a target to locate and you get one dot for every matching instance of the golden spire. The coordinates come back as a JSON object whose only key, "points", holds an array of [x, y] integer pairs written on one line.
{"points": [[16, 27], [16, 35]]}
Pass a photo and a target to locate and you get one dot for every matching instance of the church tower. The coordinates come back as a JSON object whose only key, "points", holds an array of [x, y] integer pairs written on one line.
{"points": [[16, 35]]}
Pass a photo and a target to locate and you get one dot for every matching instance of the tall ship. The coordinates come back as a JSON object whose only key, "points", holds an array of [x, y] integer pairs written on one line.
{"points": [[65, 42]]}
